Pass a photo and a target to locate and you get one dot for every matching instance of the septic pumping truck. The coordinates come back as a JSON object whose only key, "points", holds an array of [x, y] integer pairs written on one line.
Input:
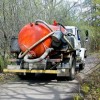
{"points": [[43, 48]]}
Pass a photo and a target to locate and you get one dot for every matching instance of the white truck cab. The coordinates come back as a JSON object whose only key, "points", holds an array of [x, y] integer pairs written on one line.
{"points": [[80, 52], [62, 58]]}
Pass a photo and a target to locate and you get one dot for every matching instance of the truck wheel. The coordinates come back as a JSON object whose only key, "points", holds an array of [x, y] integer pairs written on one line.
{"points": [[21, 76], [81, 66], [72, 69], [85, 54], [27, 76]]}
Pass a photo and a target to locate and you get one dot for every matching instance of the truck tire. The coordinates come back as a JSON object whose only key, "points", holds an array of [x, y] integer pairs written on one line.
{"points": [[72, 71], [21, 76], [81, 66], [85, 54]]}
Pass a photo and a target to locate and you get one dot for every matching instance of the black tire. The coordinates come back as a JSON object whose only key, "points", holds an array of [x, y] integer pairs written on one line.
{"points": [[27, 76], [21, 76], [72, 70], [81, 66]]}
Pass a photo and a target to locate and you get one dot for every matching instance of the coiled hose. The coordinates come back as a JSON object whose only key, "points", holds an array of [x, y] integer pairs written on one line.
{"points": [[26, 58]]}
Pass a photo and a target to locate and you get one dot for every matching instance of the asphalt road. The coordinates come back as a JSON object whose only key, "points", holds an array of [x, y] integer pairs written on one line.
{"points": [[46, 87]]}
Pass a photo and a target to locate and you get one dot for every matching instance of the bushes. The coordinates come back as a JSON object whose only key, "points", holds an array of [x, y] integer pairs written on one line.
{"points": [[91, 86], [3, 63]]}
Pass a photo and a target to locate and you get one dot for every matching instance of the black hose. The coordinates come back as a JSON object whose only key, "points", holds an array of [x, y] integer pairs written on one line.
{"points": [[62, 26], [40, 21]]}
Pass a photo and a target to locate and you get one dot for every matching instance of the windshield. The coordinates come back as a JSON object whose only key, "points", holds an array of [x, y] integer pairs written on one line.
{"points": [[69, 31]]}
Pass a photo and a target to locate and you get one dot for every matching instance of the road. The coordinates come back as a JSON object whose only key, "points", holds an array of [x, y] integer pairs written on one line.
{"points": [[45, 87]]}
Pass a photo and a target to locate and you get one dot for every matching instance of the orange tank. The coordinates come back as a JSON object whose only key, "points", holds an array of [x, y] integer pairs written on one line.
{"points": [[32, 33]]}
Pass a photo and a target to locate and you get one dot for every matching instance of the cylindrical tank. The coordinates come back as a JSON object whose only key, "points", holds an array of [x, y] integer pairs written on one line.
{"points": [[30, 34]]}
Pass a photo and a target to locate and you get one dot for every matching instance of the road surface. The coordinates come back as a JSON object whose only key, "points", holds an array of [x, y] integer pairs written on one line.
{"points": [[45, 87]]}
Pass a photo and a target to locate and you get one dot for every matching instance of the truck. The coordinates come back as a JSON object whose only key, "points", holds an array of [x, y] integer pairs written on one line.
{"points": [[49, 49]]}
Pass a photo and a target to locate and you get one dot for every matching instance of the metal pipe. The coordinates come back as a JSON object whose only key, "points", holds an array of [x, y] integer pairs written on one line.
{"points": [[26, 58]]}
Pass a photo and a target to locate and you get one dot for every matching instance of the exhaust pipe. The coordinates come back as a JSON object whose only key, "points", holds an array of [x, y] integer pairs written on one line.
{"points": [[26, 57]]}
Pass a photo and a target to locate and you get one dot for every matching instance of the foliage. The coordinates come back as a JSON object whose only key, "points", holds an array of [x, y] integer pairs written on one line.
{"points": [[92, 18], [85, 88], [4, 78], [91, 86], [3, 62]]}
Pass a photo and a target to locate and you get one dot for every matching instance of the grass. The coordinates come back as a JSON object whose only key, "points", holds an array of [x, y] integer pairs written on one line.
{"points": [[6, 77], [91, 85]]}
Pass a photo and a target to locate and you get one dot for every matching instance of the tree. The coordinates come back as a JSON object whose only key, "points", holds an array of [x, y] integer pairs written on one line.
{"points": [[95, 20]]}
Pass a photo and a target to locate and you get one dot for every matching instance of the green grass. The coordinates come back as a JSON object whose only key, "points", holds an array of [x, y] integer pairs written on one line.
{"points": [[91, 86], [3, 63]]}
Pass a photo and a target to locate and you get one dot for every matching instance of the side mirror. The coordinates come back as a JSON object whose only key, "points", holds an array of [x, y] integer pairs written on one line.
{"points": [[87, 35]]}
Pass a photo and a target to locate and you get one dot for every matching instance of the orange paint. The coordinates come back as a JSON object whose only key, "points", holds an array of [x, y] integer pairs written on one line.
{"points": [[32, 33]]}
